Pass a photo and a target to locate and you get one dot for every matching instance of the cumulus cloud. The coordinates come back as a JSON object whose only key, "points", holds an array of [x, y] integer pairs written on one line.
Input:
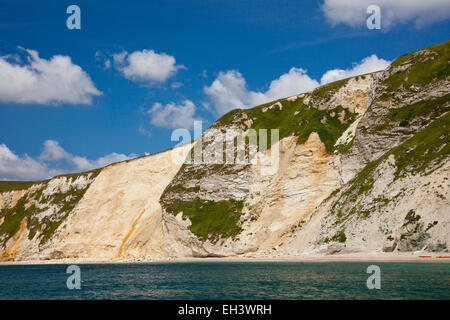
{"points": [[119, 58], [83, 164], [144, 131], [419, 12], [146, 65], [15, 167], [54, 152], [173, 115], [367, 65], [294, 82], [229, 90], [42, 81]]}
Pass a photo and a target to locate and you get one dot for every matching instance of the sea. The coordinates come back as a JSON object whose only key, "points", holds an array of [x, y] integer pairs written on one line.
{"points": [[227, 280]]}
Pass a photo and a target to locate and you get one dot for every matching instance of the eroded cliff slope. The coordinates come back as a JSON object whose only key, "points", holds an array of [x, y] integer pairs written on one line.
{"points": [[360, 165]]}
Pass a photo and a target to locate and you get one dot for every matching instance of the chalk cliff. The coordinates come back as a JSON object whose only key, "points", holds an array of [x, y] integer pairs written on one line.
{"points": [[361, 165]]}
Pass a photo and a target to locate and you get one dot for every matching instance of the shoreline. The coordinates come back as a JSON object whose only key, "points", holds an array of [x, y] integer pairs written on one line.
{"points": [[357, 257]]}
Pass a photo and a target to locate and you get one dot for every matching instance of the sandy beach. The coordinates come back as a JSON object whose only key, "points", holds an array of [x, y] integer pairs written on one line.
{"points": [[354, 257]]}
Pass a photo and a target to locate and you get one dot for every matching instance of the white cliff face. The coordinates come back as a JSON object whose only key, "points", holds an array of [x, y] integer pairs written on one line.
{"points": [[274, 204], [395, 189], [277, 203], [359, 197], [402, 215], [120, 216], [372, 136], [354, 95], [307, 175]]}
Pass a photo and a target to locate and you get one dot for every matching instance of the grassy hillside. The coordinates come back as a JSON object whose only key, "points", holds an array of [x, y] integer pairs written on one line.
{"points": [[15, 185]]}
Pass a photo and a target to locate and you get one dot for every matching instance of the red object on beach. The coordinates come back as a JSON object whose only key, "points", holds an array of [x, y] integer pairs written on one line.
{"points": [[424, 256], [443, 257]]}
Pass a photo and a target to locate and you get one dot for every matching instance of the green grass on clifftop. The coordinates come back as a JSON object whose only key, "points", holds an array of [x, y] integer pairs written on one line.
{"points": [[15, 185], [325, 92], [301, 120], [426, 66]]}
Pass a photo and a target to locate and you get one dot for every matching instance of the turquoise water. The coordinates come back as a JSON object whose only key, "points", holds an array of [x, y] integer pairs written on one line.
{"points": [[228, 280]]}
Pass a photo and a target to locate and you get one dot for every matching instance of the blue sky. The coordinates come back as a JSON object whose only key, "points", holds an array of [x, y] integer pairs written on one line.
{"points": [[135, 72]]}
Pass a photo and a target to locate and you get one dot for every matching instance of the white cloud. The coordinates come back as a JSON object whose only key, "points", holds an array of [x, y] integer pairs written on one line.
{"points": [[107, 64], [146, 65], [173, 115], [42, 81], [229, 90], [419, 12], [294, 82], [367, 65], [54, 152], [84, 164], [176, 85], [119, 58], [105, 59], [144, 131], [13, 167]]}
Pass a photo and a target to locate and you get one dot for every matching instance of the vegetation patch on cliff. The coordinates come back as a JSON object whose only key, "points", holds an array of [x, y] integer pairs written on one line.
{"points": [[417, 115], [13, 218], [211, 220], [296, 118], [344, 147], [338, 237], [326, 92], [413, 232]]}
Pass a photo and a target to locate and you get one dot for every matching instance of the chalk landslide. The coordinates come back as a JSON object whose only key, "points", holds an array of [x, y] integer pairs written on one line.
{"points": [[119, 217]]}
